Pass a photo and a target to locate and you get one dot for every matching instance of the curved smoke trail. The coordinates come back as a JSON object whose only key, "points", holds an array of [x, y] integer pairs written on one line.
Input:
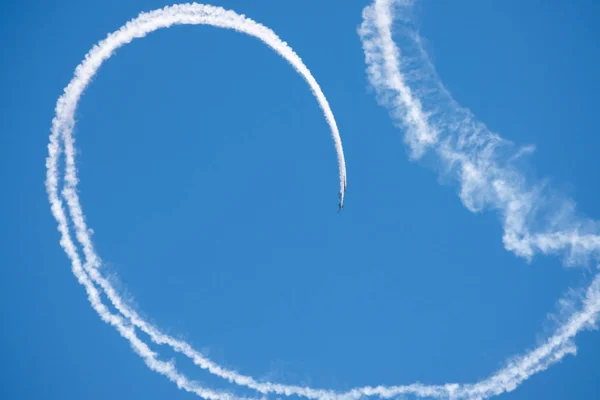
{"points": [[62, 128], [534, 219], [433, 122]]}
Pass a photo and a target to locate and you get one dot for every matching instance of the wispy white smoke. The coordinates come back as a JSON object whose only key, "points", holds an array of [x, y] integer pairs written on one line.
{"points": [[466, 149], [535, 220], [479, 160]]}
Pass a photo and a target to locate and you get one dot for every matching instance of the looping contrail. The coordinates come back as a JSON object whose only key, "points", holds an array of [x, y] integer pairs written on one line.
{"points": [[432, 122], [88, 273]]}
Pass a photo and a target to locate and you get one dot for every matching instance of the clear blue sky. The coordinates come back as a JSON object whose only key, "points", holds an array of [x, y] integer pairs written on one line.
{"points": [[209, 178]]}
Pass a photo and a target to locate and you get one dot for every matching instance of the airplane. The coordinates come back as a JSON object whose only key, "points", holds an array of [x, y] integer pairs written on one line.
{"points": [[341, 204]]}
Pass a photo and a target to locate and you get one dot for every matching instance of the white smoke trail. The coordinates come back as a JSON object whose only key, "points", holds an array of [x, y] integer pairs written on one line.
{"points": [[62, 128], [474, 156], [483, 182], [466, 148]]}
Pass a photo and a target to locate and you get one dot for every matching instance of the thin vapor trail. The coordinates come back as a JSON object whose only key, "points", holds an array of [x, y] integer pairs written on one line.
{"points": [[62, 128]]}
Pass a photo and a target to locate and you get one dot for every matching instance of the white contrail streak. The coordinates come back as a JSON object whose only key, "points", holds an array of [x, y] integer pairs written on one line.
{"points": [[462, 144], [467, 148], [62, 128]]}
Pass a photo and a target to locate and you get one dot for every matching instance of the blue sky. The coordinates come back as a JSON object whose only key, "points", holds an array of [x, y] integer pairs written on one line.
{"points": [[209, 178]]}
